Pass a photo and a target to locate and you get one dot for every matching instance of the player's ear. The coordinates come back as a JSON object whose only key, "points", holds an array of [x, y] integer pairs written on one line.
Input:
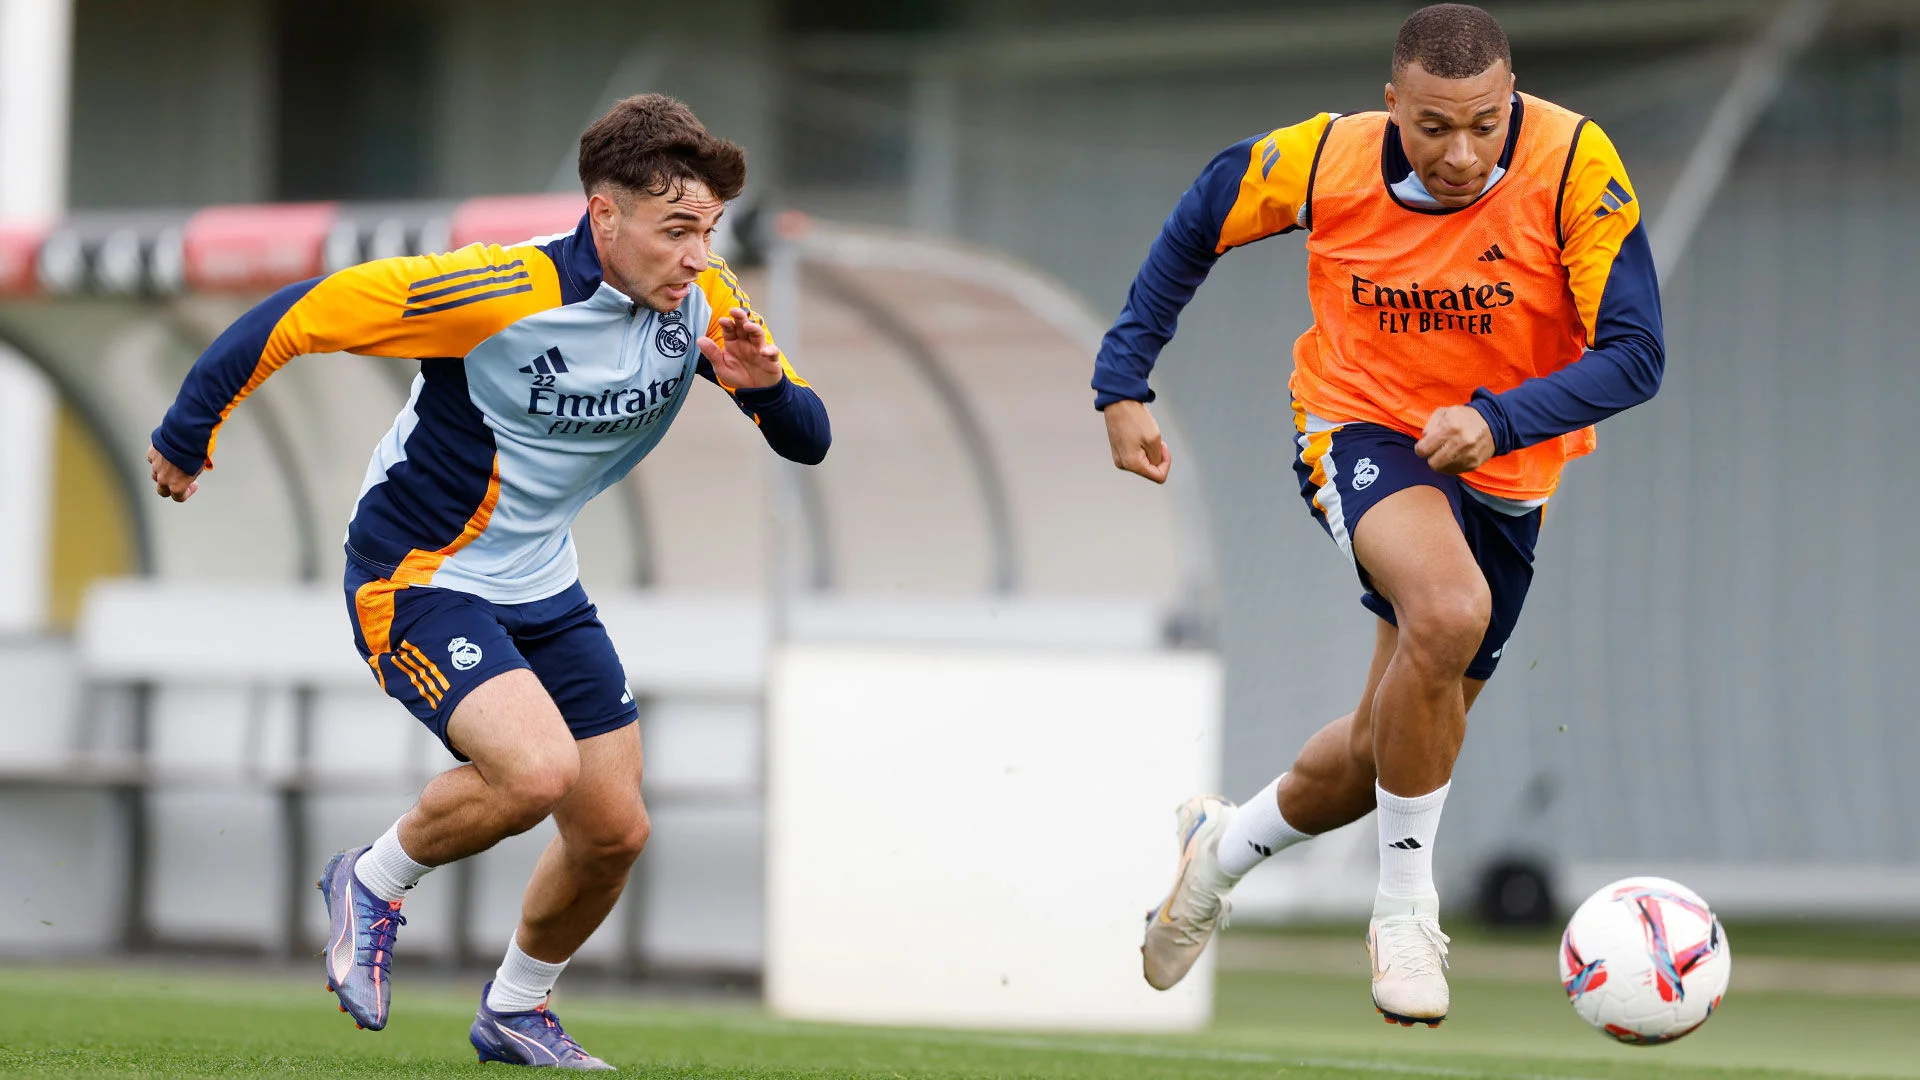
{"points": [[1390, 102], [604, 212]]}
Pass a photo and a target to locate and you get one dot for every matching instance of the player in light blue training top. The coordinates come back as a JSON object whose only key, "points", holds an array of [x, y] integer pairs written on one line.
{"points": [[547, 370]]}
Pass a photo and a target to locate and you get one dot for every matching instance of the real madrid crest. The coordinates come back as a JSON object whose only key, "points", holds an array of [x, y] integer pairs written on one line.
{"points": [[673, 338], [465, 653]]}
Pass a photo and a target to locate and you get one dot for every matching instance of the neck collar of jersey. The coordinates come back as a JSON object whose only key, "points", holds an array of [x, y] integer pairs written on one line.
{"points": [[1409, 192], [577, 262]]}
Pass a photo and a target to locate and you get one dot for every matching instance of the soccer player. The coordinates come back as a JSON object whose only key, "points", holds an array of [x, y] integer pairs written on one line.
{"points": [[547, 371], [1482, 294]]}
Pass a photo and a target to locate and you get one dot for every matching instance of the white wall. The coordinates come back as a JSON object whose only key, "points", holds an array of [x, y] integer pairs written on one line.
{"points": [[35, 48], [971, 836]]}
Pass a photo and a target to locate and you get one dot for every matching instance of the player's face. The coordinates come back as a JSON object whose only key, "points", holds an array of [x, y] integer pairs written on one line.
{"points": [[652, 248], [1452, 129]]}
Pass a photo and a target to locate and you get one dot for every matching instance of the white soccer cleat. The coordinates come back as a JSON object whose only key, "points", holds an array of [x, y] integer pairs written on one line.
{"points": [[1179, 929], [1408, 955]]}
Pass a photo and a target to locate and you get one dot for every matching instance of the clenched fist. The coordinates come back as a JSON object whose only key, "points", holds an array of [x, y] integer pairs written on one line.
{"points": [[1135, 439], [1456, 440], [168, 480]]}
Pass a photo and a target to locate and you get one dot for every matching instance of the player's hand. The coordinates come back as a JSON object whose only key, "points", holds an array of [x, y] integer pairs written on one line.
{"points": [[749, 360], [1456, 440], [1136, 442], [168, 480]]}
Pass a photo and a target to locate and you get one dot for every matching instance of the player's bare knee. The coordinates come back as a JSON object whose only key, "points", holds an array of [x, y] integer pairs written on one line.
{"points": [[1444, 630], [622, 847], [608, 851], [523, 811], [548, 783], [532, 790]]}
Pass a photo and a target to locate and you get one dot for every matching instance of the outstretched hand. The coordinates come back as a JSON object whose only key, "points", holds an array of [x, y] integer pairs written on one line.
{"points": [[749, 360], [1456, 440], [168, 480], [1136, 442]]}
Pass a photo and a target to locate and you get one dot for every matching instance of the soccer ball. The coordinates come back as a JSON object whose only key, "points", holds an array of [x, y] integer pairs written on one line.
{"points": [[1644, 961]]}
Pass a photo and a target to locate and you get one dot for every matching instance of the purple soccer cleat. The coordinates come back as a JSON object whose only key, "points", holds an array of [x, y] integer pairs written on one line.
{"points": [[528, 1038], [360, 947]]}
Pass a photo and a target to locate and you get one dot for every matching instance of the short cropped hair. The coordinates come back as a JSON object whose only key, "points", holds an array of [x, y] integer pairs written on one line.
{"points": [[654, 144], [1452, 41]]}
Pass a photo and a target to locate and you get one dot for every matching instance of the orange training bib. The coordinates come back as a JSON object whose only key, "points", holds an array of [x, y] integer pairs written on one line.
{"points": [[1416, 308]]}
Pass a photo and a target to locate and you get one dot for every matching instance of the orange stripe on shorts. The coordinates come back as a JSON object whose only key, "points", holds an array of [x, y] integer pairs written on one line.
{"points": [[432, 669]]}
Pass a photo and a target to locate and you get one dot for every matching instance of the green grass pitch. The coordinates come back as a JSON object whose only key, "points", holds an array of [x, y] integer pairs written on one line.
{"points": [[145, 1021]]}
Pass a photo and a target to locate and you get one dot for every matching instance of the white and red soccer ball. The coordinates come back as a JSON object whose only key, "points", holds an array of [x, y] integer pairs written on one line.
{"points": [[1645, 961]]}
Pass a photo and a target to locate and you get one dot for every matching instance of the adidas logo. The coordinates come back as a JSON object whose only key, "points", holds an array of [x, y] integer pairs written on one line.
{"points": [[1612, 200], [1492, 254], [547, 363], [1261, 848], [1409, 844], [1270, 157]]}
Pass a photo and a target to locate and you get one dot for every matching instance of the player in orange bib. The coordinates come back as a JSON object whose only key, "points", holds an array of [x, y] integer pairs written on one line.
{"points": [[1483, 294]]}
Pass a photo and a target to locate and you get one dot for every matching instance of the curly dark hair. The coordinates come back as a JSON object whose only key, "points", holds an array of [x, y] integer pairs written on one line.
{"points": [[654, 144], [1453, 41]]}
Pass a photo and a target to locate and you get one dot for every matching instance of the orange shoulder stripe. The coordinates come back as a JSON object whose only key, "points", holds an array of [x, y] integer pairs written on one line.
{"points": [[411, 307]]}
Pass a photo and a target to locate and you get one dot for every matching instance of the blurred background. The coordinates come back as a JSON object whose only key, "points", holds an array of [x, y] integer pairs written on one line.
{"points": [[948, 200]]}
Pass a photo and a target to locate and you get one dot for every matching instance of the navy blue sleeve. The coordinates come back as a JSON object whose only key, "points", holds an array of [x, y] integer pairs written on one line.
{"points": [[1176, 265], [1621, 368], [791, 416], [217, 381]]}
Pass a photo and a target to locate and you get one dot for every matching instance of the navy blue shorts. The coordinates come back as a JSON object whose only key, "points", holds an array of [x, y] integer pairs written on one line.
{"points": [[1345, 470], [430, 647]]}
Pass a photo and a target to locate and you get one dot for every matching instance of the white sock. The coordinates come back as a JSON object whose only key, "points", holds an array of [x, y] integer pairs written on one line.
{"points": [[1407, 829], [386, 869], [1256, 831], [522, 983]]}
